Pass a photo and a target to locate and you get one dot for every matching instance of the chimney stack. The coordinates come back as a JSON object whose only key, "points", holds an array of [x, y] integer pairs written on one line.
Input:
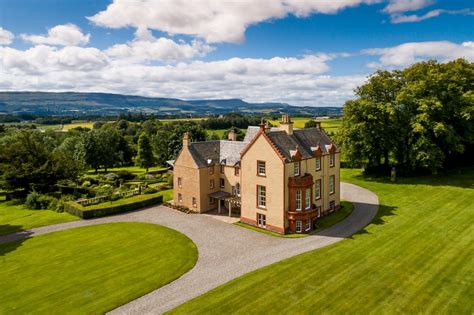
{"points": [[268, 128], [262, 126], [186, 140], [286, 124], [232, 136], [318, 124]]}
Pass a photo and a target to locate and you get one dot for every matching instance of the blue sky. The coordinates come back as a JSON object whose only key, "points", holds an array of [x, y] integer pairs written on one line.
{"points": [[301, 52]]}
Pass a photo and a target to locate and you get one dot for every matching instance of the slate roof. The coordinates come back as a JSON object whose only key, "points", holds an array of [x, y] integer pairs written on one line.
{"points": [[305, 140], [227, 152]]}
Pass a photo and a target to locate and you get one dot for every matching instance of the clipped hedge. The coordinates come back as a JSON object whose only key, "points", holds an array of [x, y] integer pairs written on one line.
{"points": [[106, 208]]}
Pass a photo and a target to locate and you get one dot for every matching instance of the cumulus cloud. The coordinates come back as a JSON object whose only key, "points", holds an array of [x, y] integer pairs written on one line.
{"points": [[409, 53], [60, 35], [399, 6], [6, 37], [213, 21], [298, 81], [148, 48]]}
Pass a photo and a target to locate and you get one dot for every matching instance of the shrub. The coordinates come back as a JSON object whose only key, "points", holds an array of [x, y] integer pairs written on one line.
{"points": [[125, 175], [150, 190], [36, 201], [32, 201], [107, 209], [86, 184]]}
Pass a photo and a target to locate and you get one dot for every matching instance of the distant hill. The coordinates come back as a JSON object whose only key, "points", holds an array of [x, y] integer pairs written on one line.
{"points": [[74, 103]]}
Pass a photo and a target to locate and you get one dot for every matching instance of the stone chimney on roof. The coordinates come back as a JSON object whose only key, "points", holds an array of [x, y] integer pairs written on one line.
{"points": [[262, 126], [318, 124], [186, 140], [286, 124], [268, 128], [232, 136]]}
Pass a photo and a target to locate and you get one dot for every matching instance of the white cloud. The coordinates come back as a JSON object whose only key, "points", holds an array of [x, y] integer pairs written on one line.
{"points": [[399, 6], [214, 21], [298, 81], [409, 53], [42, 60], [6, 37], [148, 48], [60, 35], [402, 18]]}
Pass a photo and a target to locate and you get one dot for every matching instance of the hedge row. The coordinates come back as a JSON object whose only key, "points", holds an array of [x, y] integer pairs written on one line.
{"points": [[108, 209]]}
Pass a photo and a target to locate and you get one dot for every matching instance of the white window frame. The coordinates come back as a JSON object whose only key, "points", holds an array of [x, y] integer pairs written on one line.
{"points": [[307, 225], [332, 184], [221, 183], [331, 160], [297, 169], [318, 163], [261, 220], [317, 189], [237, 189], [298, 200], [307, 199], [299, 226], [261, 168], [261, 196]]}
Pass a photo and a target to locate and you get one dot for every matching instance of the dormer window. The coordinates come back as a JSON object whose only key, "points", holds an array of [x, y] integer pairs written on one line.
{"points": [[297, 170]]}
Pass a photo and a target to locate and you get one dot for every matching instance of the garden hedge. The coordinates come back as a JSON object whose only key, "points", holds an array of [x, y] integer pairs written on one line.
{"points": [[107, 208]]}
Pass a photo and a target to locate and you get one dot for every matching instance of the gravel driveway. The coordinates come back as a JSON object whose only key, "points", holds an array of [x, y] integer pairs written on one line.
{"points": [[226, 251]]}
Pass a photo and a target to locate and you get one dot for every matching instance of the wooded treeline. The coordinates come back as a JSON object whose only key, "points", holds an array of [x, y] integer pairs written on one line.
{"points": [[419, 118]]}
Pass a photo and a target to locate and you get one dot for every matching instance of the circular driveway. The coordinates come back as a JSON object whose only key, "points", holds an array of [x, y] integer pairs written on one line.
{"points": [[226, 251]]}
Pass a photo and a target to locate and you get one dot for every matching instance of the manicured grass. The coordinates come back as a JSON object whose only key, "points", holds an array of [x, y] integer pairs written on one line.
{"points": [[323, 223], [415, 257], [15, 217], [335, 217], [123, 201], [132, 169], [90, 270], [167, 194]]}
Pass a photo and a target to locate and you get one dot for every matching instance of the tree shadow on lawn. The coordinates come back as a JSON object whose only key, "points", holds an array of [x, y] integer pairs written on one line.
{"points": [[461, 177], [345, 228], [10, 242]]}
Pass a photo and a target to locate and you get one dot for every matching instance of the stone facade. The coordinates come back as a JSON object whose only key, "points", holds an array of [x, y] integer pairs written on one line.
{"points": [[283, 179]]}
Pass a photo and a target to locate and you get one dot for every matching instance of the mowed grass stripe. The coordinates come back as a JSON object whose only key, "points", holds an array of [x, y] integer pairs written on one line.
{"points": [[415, 257], [90, 269]]}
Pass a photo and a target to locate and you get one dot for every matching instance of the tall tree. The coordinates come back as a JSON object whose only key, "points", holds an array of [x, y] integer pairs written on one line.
{"points": [[418, 118], [145, 157]]}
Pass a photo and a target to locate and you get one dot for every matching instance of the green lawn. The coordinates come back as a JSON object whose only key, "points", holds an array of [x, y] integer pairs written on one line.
{"points": [[335, 217], [132, 169], [14, 217], [90, 270], [415, 257]]}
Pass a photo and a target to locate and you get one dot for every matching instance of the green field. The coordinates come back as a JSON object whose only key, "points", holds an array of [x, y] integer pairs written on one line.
{"points": [[15, 217], [330, 125], [90, 270], [415, 257]]}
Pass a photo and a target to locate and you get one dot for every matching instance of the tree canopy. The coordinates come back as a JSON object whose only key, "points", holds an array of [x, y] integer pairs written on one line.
{"points": [[419, 118]]}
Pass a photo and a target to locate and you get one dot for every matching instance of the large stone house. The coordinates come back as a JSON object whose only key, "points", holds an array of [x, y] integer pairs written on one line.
{"points": [[281, 179]]}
